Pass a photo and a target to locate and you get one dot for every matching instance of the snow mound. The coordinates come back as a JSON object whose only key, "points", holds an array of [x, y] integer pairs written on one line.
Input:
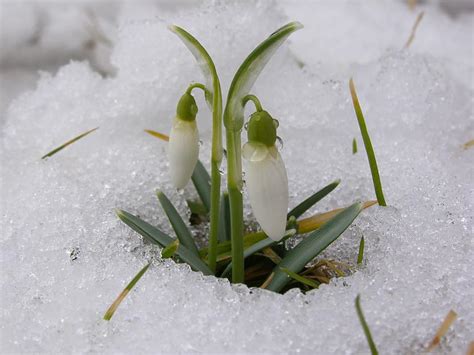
{"points": [[65, 256]]}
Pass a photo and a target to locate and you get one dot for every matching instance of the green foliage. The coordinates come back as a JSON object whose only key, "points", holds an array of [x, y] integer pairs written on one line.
{"points": [[365, 327]]}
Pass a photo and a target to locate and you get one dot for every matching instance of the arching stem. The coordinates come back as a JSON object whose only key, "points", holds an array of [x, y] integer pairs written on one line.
{"points": [[255, 101]]}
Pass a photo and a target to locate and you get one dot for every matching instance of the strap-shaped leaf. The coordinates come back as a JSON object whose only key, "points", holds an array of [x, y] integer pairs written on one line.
{"points": [[202, 183], [170, 250], [313, 245], [312, 200], [249, 71], [156, 236], [182, 232], [224, 218]]}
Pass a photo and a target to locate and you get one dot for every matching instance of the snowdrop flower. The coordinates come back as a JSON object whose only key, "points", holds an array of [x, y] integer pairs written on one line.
{"points": [[266, 178], [183, 145]]}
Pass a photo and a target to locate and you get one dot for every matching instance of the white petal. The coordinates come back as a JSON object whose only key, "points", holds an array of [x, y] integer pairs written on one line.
{"points": [[267, 186], [183, 151], [254, 151]]}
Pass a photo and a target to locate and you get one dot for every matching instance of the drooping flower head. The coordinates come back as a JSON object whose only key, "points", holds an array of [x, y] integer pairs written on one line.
{"points": [[183, 146], [266, 178]]}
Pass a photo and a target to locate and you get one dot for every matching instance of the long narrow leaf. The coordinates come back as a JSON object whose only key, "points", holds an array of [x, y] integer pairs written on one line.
{"points": [[202, 183], [182, 232], [299, 278], [62, 146], [365, 327], [313, 245], [110, 312], [170, 250], [360, 256], [250, 69], [224, 218], [156, 236], [368, 146], [312, 200]]}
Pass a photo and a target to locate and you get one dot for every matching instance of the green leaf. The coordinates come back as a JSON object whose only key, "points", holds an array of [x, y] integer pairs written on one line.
{"points": [[360, 256], [204, 60], [354, 146], [368, 146], [156, 236], [248, 72], [365, 327], [312, 200], [299, 278], [110, 312], [197, 208], [54, 151], [224, 218], [170, 250], [182, 232], [202, 183], [256, 247], [310, 247]]}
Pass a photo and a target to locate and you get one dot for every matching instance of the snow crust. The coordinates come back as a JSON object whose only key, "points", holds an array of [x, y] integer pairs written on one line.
{"points": [[65, 256]]}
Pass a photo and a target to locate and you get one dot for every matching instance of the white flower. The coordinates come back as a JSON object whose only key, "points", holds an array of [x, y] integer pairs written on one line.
{"points": [[183, 151], [267, 186]]}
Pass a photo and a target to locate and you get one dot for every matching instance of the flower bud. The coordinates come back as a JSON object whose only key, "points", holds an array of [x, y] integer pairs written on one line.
{"points": [[266, 178], [183, 145]]}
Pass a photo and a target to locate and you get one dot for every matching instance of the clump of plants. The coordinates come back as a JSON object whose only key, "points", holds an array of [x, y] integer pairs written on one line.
{"points": [[258, 259]]}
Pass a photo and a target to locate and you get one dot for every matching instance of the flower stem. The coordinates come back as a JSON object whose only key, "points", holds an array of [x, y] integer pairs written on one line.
{"points": [[254, 99], [196, 85], [234, 183], [216, 159]]}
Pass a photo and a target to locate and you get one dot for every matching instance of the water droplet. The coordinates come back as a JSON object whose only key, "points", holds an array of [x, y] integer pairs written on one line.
{"points": [[246, 126], [201, 142], [221, 172], [180, 191], [280, 143], [276, 123]]}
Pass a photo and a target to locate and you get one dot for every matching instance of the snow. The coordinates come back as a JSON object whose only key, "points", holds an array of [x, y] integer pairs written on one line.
{"points": [[65, 256]]}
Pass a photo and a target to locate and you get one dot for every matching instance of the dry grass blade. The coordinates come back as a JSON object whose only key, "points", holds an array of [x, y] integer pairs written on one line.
{"points": [[442, 330], [158, 135], [470, 349], [61, 147], [468, 144], [413, 30], [314, 222], [268, 280], [412, 4], [110, 312]]}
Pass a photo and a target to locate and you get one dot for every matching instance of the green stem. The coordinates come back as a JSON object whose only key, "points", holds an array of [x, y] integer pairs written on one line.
{"points": [[196, 85], [216, 159], [234, 183], [254, 99]]}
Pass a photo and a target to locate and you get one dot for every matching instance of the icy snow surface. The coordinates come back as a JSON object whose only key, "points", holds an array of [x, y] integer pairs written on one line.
{"points": [[65, 256]]}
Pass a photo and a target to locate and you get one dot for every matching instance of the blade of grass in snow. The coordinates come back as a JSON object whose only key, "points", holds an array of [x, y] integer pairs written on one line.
{"points": [[182, 231], [158, 135], [110, 312], [368, 146], [354, 146], [156, 236], [299, 278], [365, 327], [311, 246], [312, 200], [413, 30], [360, 256], [442, 330], [61, 147]]}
